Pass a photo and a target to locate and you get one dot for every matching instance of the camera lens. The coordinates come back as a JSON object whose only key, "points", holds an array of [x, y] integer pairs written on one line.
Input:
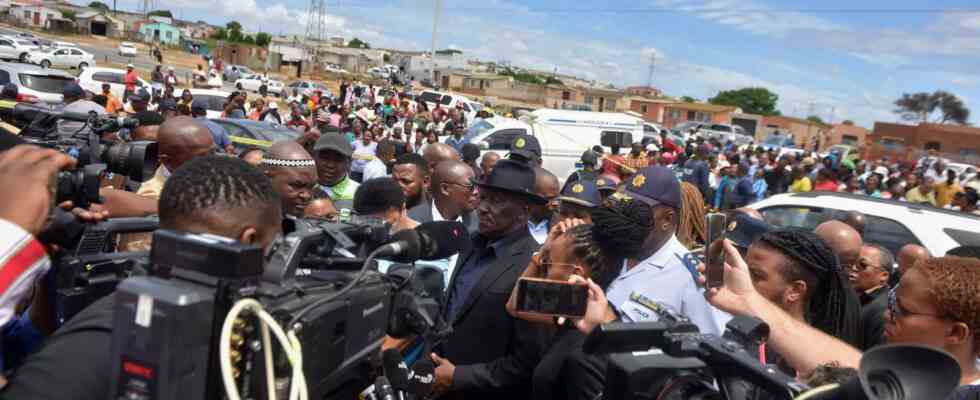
{"points": [[80, 186], [136, 160]]}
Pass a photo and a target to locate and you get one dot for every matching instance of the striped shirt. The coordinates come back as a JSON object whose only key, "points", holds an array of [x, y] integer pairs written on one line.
{"points": [[22, 263]]}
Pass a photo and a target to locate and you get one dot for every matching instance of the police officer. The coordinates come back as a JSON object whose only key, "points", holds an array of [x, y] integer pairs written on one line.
{"points": [[658, 269], [526, 149], [577, 200]]}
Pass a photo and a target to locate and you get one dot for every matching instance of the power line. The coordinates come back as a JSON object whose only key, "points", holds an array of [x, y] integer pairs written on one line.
{"points": [[694, 9]]}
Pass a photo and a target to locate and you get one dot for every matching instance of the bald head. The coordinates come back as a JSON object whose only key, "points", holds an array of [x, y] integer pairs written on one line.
{"points": [[452, 188], [293, 174], [844, 240], [181, 139], [856, 220], [288, 150], [909, 255], [489, 161], [436, 153], [450, 171]]}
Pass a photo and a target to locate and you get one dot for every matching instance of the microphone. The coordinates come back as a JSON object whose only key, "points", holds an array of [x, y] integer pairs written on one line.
{"points": [[383, 390], [421, 377], [396, 371], [404, 246], [441, 239]]}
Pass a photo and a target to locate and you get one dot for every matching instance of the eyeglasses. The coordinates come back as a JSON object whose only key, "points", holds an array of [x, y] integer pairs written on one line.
{"points": [[860, 266], [896, 311], [469, 187]]}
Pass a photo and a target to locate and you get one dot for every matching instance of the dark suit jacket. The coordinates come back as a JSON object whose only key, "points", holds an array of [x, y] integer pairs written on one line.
{"points": [[872, 317], [422, 213], [495, 354]]}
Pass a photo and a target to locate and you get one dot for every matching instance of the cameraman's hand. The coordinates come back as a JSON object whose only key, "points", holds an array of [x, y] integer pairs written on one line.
{"points": [[736, 295], [26, 173], [95, 213]]}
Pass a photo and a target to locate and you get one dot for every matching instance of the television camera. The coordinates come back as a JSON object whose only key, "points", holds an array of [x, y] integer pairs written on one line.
{"points": [[670, 359], [202, 323]]}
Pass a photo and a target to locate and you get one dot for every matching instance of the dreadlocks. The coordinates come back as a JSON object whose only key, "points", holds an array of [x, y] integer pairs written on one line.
{"points": [[586, 249], [832, 306], [621, 227], [691, 230]]}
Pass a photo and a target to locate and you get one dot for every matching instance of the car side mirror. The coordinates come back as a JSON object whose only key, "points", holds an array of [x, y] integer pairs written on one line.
{"points": [[484, 145]]}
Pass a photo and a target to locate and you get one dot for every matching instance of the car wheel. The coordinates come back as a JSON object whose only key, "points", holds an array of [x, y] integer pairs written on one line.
{"points": [[23, 58], [83, 65], [45, 63]]}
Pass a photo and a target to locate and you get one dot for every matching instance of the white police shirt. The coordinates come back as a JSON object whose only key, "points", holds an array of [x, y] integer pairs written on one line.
{"points": [[668, 278]]}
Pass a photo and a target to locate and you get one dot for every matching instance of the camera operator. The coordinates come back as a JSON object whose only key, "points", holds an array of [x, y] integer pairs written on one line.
{"points": [[217, 195], [640, 226], [76, 102], [383, 198], [870, 277], [293, 174], [565, 372], [491, 355]]}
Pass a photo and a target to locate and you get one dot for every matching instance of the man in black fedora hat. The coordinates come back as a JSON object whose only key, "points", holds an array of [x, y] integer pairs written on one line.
{"points": [[490, 355]]}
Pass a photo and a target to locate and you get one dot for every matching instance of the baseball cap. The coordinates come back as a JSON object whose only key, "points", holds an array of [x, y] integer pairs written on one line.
{"points": [[525, 147], [10, 91], [199, 106], [273, 105], [334, 142], [604, 184], [582, 193], [654, 186], [130, 66], [140, 95], [743, 229], [589, 157], [72, 90]]}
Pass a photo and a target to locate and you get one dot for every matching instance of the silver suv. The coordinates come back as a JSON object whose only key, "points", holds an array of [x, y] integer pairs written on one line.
{"points": [[32, 81]]}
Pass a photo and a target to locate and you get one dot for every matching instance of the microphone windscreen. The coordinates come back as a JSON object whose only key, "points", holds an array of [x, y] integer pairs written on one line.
{"points": [[410, 244], [441, 239], [395, 369], [422, 378]]}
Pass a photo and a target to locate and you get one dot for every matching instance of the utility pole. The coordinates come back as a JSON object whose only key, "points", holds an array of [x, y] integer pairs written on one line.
{"points": [[435, 27], [315, 26], [653, 61]]}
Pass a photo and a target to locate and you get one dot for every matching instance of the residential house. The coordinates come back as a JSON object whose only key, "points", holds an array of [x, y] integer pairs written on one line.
{"points": [[473, 83], [422, 66], [807, 134], [159, 32], [35, 16], [197, 31], [898, 142], [752, 123], [337, 41], [651, 110], [99, 23], [241, 54], [677, 112], [163, 20], [644, 91], [848, 134], [352, 60]]}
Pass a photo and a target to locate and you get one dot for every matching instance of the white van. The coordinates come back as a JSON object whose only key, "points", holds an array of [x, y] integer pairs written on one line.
{"points": [[449, 100], [564, 135]]}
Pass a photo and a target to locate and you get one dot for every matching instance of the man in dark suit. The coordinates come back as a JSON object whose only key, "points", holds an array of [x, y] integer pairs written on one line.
{"points": [[453, 197], [491, 355]]}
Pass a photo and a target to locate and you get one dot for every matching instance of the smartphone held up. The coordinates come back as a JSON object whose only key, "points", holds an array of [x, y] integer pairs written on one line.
{"points": [[553, 298], [714, 254]]}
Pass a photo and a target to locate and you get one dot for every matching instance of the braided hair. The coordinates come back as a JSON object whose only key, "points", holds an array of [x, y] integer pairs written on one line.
{"points": [[585, 248], [831, 304], [621, 227], [691, 231], [214, 183]]}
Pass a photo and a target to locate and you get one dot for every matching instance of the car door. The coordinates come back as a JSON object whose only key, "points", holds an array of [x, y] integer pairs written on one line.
{"points": [[7, 49], [76, 57], [61, 58]]}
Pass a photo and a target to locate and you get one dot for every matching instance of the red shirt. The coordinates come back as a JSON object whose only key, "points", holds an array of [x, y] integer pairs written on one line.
{"points": [[826, 186], [131, 78], [612, 168]]}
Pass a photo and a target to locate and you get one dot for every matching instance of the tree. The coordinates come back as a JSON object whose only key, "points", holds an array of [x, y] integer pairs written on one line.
{"points": [[356, 43], [98, 5], [815, 119], [248, 39], [69, 14], [550, 80], [263, 39], [160, 13], [220, 34], [940, 107], [235, 36], [753, 100], [848, 122], [688, 99], [234, 26]]}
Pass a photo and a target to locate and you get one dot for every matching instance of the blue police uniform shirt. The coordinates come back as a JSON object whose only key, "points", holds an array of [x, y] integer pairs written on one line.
{"points": [[218, 133], [668, 277]]}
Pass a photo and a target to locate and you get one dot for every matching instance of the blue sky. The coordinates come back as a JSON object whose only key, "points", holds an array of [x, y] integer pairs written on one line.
{"points": [[840, 59]]}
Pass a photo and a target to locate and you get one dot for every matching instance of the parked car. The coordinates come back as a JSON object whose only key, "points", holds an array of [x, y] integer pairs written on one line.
{"points": [[127, 49], [92, 78], [214, 99], [35, 83], [302, 86], [725, 133], [449, 100], [890, 223], [61, 45], [252, 83], [65, 57], [965, 172], [378, 73], [247, 133], [783, 143], [234, 72], [334, 68], [16, 49]]}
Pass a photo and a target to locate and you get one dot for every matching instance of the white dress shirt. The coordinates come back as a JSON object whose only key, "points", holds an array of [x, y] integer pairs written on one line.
{"points": [[539, 231]]}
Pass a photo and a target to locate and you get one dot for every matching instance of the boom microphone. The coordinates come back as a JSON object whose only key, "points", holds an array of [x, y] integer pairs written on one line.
{"points": [[441, 239]]}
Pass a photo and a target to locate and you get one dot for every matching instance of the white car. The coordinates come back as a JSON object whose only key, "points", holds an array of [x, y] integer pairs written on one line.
{"points": [[448, 100], [127, 49], [16, 48], [67, 58], [890, 223], [36, 84], [334, 68], [92, 78], [252, 83], [215, 100], [61, 45]]}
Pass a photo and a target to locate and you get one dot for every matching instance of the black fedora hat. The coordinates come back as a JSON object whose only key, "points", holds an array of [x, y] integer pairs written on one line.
{"points": [[512, 177]]}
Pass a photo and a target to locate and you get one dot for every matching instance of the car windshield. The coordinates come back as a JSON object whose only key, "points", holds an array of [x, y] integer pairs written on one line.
{"points": [[430, 97], [45, 83], [721, 128], [476, 130]]}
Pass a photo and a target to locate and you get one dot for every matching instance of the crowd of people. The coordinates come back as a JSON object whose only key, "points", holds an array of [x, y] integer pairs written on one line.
{"points": [[628, 226]]}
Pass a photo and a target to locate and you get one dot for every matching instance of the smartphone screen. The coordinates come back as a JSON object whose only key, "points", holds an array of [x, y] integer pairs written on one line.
{"points": [[714, 255], [548, 297]]}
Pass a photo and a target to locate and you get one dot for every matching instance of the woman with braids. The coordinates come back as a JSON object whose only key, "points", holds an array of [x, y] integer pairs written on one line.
{"points": [[691, 231], [564, 371]]}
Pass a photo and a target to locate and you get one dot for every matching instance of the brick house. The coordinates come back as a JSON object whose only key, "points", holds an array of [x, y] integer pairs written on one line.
{"points": [[651, 110], [644, 91], [909, 142], [676, 113], [848, 134], [807, 134]]}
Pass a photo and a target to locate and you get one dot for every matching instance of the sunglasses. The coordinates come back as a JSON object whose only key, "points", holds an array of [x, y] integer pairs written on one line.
{"points": [[896, 311]]}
